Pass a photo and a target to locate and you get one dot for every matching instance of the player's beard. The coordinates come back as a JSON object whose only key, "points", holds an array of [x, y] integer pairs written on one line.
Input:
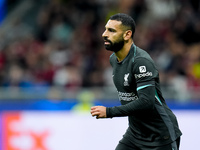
{"points": [[114, 46]]}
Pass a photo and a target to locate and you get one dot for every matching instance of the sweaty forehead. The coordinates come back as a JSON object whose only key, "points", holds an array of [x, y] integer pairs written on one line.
{"points": [[114, 24]]}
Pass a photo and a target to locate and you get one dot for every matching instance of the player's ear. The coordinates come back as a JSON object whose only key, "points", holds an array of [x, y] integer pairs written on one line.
{"points": [[127, 34]]}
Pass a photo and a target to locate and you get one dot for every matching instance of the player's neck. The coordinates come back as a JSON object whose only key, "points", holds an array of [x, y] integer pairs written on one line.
{"points": [[121, 54]]}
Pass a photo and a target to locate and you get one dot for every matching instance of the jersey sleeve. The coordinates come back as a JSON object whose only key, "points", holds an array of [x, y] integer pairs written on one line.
{"points": [[144, 72], [145, 102]]}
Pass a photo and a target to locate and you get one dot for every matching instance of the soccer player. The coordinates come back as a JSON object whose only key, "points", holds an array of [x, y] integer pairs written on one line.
{"points": [[152, 125]]}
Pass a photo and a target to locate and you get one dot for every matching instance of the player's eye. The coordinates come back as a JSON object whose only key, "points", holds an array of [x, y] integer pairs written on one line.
{"points": [[111, 30]]}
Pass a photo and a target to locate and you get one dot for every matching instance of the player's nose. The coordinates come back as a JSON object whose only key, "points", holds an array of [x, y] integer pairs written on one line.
{"points": [[104, 34]]}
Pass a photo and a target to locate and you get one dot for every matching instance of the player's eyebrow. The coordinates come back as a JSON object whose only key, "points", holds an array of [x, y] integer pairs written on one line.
{"points": [[111, 29]]}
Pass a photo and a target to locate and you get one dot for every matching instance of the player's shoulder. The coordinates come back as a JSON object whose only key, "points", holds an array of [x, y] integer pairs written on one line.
{"points": [[143, 59], [142, 56]]}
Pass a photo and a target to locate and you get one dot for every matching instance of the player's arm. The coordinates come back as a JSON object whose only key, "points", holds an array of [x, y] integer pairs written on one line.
{"points": [[145, 101]]}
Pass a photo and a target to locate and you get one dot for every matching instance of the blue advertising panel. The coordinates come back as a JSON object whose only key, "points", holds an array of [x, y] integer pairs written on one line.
{"points": [[2, 10]]}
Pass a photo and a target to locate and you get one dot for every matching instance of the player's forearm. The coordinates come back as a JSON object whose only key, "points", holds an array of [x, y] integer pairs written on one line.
{"points": [[145, 102]]}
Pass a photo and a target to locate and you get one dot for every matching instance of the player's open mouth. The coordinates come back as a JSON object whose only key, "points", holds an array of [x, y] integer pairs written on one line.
{"points": [[106, 42]]}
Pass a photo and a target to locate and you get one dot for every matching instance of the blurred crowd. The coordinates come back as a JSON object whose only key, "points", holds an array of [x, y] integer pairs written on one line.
{"points": [[64, 47]]}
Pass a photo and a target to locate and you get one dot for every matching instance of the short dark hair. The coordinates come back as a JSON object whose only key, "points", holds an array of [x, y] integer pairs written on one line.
{"points": [[126, 21]]}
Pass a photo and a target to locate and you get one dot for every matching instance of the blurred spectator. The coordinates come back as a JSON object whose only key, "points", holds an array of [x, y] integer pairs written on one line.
{"points": [[85, 102], [68, 76]]}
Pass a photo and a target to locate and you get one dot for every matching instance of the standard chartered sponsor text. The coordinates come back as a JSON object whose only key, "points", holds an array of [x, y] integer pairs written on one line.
{"points": [[127, 96]]}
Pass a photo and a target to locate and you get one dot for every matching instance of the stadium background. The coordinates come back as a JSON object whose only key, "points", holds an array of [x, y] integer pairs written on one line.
{"points": [[53, 68]]}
